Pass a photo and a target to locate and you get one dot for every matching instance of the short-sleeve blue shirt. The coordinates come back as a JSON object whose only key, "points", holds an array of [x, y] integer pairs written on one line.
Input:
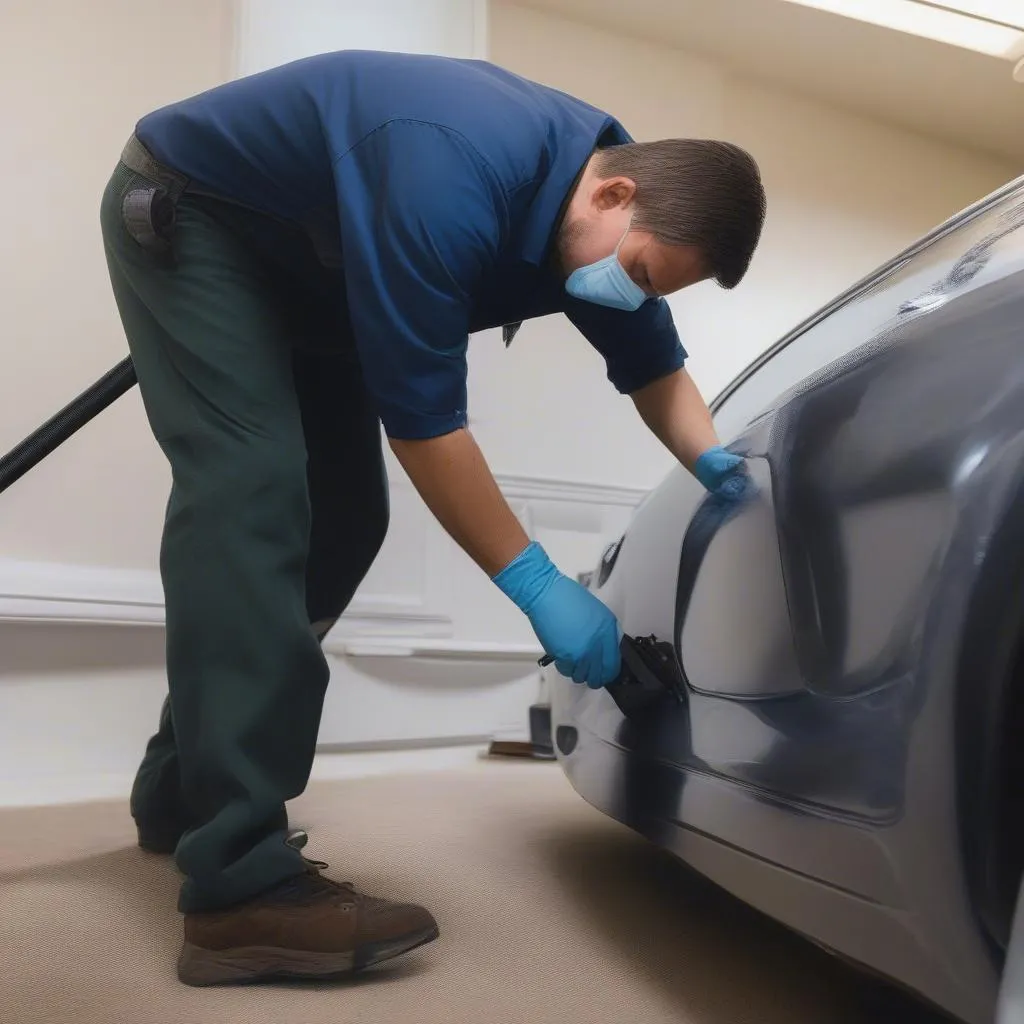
{"points": [[439, 183]]}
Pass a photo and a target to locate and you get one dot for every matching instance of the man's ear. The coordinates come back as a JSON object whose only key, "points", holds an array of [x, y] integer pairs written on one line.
{"points": [[613, 192]]}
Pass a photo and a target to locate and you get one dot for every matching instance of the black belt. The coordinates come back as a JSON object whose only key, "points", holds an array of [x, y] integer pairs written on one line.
{"points": [[136, 157], [149, 212]]}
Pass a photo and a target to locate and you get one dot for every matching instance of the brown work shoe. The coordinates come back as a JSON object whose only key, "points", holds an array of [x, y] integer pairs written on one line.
{"points": [[307, 927]]}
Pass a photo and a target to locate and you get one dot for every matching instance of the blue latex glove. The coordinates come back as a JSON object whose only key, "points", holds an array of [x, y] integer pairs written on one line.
{"points": [[723, 473], [577, 629]]}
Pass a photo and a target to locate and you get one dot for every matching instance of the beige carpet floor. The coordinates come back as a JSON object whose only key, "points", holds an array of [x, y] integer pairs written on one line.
{"points": [[549, 914]]}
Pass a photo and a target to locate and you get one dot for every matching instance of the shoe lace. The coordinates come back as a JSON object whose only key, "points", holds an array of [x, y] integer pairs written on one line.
{"points": [[311, 884]]}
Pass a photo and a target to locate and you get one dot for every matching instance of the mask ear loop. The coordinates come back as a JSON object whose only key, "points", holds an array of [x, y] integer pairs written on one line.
{"points": [[629, 227]]}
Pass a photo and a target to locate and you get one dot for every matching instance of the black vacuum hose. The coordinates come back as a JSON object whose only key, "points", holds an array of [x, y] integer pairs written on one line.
{"points": [[56, 430]]}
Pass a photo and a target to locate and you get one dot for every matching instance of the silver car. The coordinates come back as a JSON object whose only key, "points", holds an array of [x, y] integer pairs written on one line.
{"points": [[824, 706]]}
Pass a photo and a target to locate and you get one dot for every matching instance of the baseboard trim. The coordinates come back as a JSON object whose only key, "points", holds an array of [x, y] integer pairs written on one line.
{"points": [[424, 647]]}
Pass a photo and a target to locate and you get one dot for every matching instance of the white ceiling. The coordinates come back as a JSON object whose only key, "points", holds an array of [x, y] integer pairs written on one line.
{"points": [[928, 87]]}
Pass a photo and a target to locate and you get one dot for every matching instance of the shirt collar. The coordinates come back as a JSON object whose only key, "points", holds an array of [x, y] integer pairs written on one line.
{"points": [[571, 152]]}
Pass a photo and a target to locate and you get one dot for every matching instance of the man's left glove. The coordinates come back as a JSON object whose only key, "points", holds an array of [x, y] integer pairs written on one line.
{"points": [[723, 473], [574, 626]]}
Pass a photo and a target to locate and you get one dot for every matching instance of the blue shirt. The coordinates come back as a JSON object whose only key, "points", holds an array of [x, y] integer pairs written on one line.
{"points": [[434, 186]]}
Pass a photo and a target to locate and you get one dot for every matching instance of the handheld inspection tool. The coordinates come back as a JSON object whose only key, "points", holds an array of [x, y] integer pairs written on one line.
{"points": [[650, 676]]}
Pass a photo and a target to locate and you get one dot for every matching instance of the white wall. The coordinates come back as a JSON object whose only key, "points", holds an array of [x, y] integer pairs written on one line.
{"points": [[272, 32], [74, 78], [77, 702], [844, 194]]}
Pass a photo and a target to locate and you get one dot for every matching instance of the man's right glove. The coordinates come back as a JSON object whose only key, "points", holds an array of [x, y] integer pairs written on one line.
{"points": [[723, 473], [577, 629]]}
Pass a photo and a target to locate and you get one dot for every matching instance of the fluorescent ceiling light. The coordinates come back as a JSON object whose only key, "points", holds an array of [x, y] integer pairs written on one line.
{"points": [[966, 26], [1007, 12]]}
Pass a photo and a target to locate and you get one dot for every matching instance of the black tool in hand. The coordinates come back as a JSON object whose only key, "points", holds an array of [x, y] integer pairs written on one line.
{"points": [[649, 676]]}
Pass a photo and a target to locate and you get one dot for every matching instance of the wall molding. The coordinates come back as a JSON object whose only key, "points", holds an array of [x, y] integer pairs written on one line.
{"points": [[432, 648], [58, 593], [539, 488], [48, 592]]}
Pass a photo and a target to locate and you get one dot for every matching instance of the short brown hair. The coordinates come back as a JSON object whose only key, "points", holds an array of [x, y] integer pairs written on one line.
{"points": [[695, 192]]}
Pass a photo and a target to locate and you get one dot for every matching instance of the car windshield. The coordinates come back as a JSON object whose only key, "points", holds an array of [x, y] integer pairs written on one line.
{"points": [[983, 248]]}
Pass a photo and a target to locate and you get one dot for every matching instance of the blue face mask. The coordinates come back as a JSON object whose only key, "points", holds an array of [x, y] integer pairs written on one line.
{"points": [[607, 283]]}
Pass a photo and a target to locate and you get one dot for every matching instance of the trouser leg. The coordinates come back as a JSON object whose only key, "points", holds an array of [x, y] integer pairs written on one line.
{"points": [[246, 675], [346, 479], [349, 507], [155, 801]]}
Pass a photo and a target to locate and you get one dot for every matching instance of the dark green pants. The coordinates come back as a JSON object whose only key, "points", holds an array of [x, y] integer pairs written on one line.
{"points": [[278, 507]]}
